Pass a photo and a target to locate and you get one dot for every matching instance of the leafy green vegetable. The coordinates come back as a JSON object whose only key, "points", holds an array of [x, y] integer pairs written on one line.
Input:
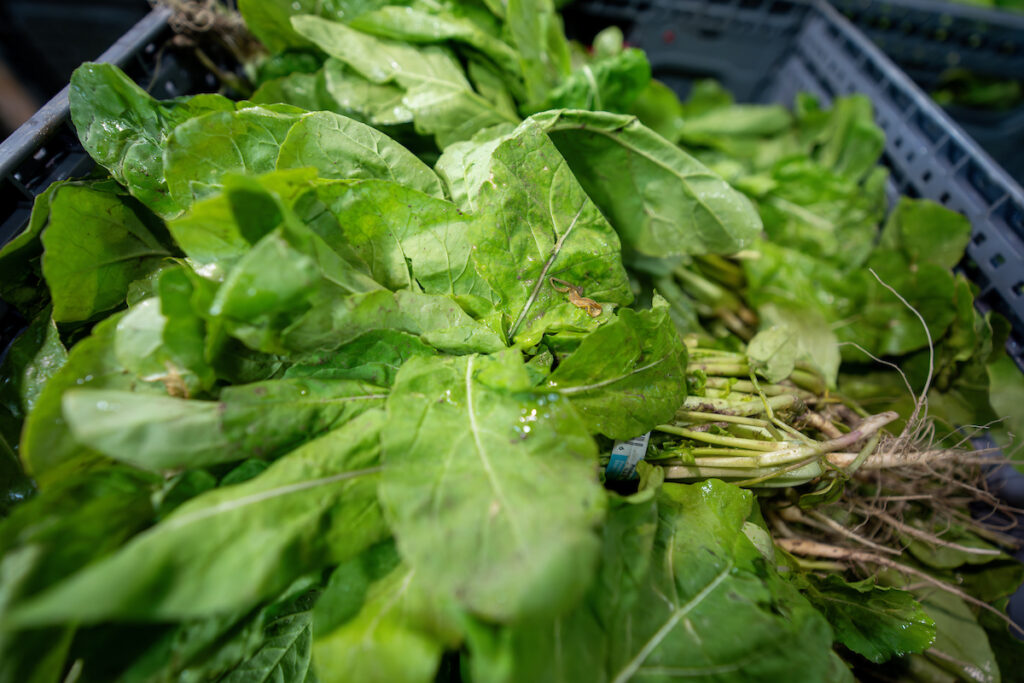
{"points": [[509, 494], [96, 243], [876, 622], [169, 572]]}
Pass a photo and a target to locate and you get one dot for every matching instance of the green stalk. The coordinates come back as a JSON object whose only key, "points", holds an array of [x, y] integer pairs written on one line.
{"points": [[720, 440], [744, 408]]}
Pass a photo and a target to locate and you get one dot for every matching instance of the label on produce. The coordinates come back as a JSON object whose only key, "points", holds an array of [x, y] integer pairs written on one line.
{"points": [[625, 456]]}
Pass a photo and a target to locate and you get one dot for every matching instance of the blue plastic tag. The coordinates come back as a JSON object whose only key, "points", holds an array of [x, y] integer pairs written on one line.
{"points": [[625, 456]]}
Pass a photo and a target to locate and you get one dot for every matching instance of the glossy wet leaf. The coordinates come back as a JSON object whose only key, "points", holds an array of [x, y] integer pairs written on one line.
{"points": [[125, 129], [874, 621], [511, 491], [374, 357]]}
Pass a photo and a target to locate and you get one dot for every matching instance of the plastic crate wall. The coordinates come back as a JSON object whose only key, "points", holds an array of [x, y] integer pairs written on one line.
{"points": [[926, 37], [769, 50]]}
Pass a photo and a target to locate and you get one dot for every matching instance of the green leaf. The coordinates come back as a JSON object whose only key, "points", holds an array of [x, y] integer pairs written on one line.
{"points": [[707, 581], [96, 243], [772, 353], [815, 340], [409, 240], [437, 93], [398, 635], [302, 90], [926, 232], [1006, 394], [125, 130], [48, 450], [427, 24], [269, 19], [373, 357], [661, 201], [19, 258], [500, 478], [876, 622], [286, 651], [548, 232], [339, 147], [30, 361], [256, 420], [537, 34], [961, 645], [658, 107], [200, 151], [357, 97], [609, 84], [627, 376], [232, 547]]}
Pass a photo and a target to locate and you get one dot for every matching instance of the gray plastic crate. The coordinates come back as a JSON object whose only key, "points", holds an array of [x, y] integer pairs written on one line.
{"points": [[926, 37], [770, 50]]}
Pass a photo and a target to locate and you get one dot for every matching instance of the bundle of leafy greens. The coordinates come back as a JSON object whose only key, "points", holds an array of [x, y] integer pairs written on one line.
{"points": [[323, 384]]}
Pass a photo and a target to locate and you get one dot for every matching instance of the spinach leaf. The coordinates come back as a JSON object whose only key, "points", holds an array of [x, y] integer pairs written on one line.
{"points": [[19, 258], [357, 97], [95, 244], [628, 375], [339, 147], [671, 205], [211, 555], [125, 130], [437, 92], [256, 420], [48, 450], [398, 634], [426, 24], [609, 84], [512, 494], [549, 236], [30, 361], [200, 151], [874, 621], [536, 31], [373, 357]]}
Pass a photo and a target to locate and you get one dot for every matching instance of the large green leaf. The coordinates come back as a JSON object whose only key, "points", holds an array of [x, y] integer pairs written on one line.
{"points": [[628, 375], [202, 150], [549, 236], [232, 547], [662, 201], [874, 621], [373, 357], [926, 232], [711, 605], [502, 479], [125, 129], [256, 420], [95, 244], [536, 31], [340, 147], [379, 104], [409, 240]]}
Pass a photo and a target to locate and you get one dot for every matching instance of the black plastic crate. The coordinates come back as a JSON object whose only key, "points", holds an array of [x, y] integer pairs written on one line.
{"points": [[770, 50], [925, 37]]}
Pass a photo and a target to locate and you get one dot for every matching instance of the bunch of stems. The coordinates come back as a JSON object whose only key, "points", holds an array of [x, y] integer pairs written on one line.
{"points": [[762, 434]]}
